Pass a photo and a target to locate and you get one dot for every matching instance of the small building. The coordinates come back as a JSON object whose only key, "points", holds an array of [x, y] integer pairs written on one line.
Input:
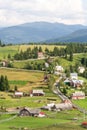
{"points": [[4, 63], [46, 65], [58, 107], [63, 106], [58, 70], [81, 69], [41, 114], [84, 124], [78, 95], [74, 76], [77, 83], [40, 55], [29, 112], [18, 94], [67, 82], [38, 92]]}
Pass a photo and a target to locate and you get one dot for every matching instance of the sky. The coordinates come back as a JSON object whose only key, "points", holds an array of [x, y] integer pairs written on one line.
{"points": [[14, 12]]}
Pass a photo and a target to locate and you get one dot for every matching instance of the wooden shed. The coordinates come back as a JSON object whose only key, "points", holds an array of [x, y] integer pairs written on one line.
{"points": [[29, 112]]}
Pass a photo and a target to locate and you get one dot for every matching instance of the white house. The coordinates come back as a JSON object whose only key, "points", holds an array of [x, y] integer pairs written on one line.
{"points": [[40, 55], [18, 94], [46, 65], [74, 76], [78, 95], [38, 92], [58, 70], [81, 69]]}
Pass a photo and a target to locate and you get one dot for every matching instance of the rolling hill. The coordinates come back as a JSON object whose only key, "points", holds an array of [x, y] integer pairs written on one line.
{"points": [[36, 32]]}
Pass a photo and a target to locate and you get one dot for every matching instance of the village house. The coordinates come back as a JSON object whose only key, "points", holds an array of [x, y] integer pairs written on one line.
{"points": [[37, 92], [4, 63], [29, 112], [81, 69], [67, 82], [78, 95], [73, 82], [40, 55], [18, 94], [77, 83], [63, 106], [73, 76], [58, 107], [58, 70]]}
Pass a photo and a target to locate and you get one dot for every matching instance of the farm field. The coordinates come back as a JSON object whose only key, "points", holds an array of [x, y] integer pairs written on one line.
{"points": [[22, 77], [82, 103], [22, 74], [50, 47], [26, 81]]}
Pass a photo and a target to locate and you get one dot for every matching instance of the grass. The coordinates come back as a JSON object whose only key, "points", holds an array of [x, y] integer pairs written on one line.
{"points": [[61, 120], [4, 51], [36, 101], [82, 103], [22, 63], [24, 79], [23, 75]]}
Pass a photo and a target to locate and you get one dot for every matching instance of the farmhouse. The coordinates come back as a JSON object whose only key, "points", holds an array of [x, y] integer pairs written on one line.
{"points": [[58, 70], [4, 63], [58, 107], [74, 76], [18, 94], [77, 83], [38, 92], [63, 106], [81, 69], [78, 95], [74, 82], [29, 112], [40, 55]]}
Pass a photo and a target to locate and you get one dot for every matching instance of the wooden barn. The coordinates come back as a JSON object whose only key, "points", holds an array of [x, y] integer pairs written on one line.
{"points": [[29, 112]]}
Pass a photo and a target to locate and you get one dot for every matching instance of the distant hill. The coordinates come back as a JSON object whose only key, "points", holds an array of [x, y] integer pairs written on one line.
{"points": [[36, 32], [77, 36]]}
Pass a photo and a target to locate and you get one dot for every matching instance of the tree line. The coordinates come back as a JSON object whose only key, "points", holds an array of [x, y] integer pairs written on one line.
{"points": [[28, 54], [4, 84], [63, 51]]}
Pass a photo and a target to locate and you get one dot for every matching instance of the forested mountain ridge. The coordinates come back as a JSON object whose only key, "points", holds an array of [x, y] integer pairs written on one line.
{"points": [[36, 32]]}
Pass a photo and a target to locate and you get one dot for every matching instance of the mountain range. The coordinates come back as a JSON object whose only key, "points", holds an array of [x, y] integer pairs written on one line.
{"points": [[43, 32]]}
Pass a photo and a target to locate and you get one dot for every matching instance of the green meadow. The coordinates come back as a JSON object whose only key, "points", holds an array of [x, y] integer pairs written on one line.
{"points": [[61, 120], [4, 51]]}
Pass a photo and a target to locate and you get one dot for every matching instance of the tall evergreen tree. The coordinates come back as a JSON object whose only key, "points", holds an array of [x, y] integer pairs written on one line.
{"points": [[6, 84]]}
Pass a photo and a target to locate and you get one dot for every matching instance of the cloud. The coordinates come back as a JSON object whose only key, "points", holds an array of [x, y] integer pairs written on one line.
{"points": [[13, 12]]}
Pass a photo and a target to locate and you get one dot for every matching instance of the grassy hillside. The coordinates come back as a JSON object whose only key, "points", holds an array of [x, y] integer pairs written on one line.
{"points": [[4, 51], [62, 61], [22, 78]]}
